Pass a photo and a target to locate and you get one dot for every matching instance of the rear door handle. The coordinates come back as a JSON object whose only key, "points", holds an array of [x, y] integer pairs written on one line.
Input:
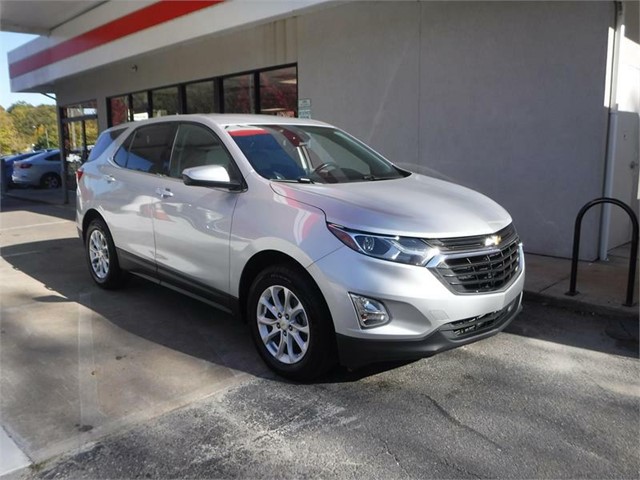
{"points": [[164, 192], [109, 178]]}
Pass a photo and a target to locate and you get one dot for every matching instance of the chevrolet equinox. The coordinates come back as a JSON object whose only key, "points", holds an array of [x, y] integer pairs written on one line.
{"points": [[327, 250]]}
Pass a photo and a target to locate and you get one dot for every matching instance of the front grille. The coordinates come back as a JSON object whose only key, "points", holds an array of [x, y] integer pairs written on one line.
{"points": [[481, 271], [471, 327], [508, 234]]}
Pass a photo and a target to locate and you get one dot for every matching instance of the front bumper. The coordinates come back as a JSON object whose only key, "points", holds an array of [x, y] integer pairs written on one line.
{"points": [[355, 352], [423, 310]]}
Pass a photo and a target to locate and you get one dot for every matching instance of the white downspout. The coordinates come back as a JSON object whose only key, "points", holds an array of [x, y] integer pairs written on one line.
{"points": [[612, 134]]}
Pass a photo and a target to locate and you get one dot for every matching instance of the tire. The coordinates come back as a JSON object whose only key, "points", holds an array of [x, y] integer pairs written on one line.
{"points": [[300, 347], [50, 180], [102, 258]]}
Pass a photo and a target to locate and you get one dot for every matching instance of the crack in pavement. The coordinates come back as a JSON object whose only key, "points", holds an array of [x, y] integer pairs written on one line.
{"points": [[388, 452], [459, 424]]}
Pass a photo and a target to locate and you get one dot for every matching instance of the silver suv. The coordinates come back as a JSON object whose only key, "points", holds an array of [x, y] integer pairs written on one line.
{"points": [[327, 250]]}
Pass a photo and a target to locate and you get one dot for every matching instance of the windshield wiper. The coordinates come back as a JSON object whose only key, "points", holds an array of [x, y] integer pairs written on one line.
{"points": [[292, 180], [373, 178]]}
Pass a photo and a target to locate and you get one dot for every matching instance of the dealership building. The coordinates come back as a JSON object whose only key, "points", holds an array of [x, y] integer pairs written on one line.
{"points": [[535, 104]]}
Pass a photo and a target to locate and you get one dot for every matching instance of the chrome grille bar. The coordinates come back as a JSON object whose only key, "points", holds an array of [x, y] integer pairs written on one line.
{"points": [[481, 270]]}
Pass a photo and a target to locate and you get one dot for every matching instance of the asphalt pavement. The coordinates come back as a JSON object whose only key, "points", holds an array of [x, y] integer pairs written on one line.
{"points": [[147, 383], [540, 401]]}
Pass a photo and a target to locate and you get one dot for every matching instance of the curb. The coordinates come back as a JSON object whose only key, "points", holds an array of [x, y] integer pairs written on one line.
{"points": [[568, 303]]}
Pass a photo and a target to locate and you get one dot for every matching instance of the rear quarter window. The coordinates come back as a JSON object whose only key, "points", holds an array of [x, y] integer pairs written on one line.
{"points": [[120, 158], [104, 140]]}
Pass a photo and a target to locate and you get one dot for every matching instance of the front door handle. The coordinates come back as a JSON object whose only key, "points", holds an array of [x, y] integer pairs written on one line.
{"points": [[164, 192]]}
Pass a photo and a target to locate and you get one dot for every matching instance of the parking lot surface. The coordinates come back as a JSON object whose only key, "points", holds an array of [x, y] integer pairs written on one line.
{"points": [[145, 382]]}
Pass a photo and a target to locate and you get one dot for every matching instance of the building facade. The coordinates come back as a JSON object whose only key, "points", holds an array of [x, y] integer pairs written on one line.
{"points": [[534, 104]]}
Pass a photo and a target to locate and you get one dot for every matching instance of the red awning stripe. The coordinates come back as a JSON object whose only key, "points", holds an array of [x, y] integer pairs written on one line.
{"points": [[146, 17]]}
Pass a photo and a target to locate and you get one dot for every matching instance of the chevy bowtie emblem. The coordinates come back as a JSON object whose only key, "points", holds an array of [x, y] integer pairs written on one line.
{"points": [[492, 240]]}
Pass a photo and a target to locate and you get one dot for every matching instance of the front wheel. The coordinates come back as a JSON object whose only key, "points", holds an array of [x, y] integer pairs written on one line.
{"points": [[101, 256], [291, 324]]}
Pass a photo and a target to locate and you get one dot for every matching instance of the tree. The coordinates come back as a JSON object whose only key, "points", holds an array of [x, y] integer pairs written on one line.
{"points": [[8, 134], [34, 124]]}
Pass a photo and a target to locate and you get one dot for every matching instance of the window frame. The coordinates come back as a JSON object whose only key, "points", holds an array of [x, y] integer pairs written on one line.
{"points": [[127, 143]]}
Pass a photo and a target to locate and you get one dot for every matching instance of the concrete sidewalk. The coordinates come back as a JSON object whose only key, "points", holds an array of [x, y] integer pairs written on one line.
{"points": [[601, 285], [78, 363]]}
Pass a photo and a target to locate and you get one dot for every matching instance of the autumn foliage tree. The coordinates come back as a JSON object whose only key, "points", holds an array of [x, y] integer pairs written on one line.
{"points": [[8, 134], [24, 127]]}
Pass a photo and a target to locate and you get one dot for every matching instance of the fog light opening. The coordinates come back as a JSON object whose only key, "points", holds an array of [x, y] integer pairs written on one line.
{"points": [[371, 313]]}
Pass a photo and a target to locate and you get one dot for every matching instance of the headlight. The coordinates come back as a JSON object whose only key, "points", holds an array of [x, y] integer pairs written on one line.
{"points": [[412, 251]]}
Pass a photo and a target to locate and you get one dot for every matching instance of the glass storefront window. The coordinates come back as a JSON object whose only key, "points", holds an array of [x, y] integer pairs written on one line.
{"points": [[279, 92], [73, 136], [201, 97], [91, 135], [119, 110], [79, 110], [269, 91], [239, 94], [140, 106], [165, 101], [80, 131]]}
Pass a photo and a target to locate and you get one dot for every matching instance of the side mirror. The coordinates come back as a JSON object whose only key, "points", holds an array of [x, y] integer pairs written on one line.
{"points": [[210, 176]]}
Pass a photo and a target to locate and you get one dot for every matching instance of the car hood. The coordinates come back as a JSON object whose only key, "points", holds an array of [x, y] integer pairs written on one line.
{"points": [[417, 206]]}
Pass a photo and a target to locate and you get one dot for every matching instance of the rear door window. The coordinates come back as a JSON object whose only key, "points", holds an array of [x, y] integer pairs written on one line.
{"points": [[150, 151]]}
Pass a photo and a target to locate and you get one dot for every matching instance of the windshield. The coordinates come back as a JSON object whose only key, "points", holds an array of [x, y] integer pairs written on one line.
{"points": [[310, 154]]}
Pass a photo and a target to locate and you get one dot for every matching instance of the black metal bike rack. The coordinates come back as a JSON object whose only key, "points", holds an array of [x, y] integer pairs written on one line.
{"points": [[634, 246]]}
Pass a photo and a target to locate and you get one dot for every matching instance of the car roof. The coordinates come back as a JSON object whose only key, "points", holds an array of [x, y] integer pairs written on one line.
{"points": [[19, 156], [226, 119], [41, 154]]}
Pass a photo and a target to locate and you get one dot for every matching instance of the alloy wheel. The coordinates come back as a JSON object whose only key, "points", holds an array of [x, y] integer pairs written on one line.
{"points": [[99, 254], [283, 324]]}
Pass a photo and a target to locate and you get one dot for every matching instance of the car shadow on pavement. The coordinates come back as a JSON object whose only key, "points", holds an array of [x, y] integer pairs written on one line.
{"points": [[9, 203], [163, 317], [142, 308], [147, 311]]}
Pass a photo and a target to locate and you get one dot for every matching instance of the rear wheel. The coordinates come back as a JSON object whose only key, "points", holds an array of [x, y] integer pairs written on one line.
{"points": [[291, 324], [50, 180], [102, 257]]}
